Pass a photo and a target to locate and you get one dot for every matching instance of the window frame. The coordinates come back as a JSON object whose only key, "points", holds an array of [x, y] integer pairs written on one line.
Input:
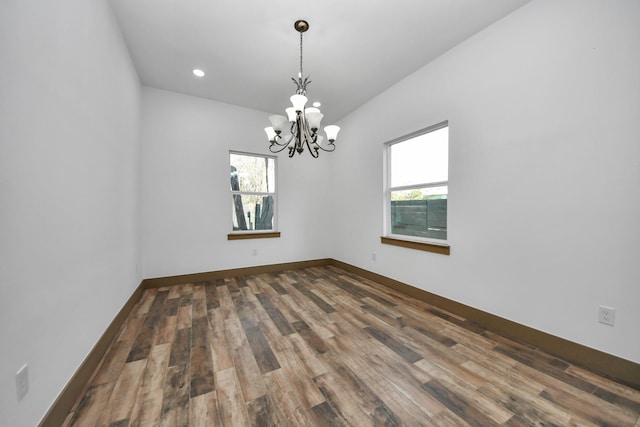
{"points": [[429, 244], [256, 234]]}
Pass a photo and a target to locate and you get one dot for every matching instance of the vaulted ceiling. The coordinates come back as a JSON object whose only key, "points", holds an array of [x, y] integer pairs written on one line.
{"points": [[354, 49]]}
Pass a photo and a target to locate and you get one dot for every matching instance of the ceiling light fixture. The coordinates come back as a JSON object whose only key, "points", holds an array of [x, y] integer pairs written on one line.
{"points": [[198, 73], [301, 123]]}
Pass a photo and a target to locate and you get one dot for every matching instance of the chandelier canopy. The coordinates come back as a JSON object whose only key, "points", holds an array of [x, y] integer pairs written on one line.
{"points": [[300, 127]]}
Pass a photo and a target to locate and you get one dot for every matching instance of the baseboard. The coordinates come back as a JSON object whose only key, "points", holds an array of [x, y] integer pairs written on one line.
{"points": [[234, 272], [616, 368], [67, 398]]}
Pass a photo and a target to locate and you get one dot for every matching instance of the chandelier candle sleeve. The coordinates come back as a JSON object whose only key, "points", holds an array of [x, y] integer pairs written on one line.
{"points": [[314, 118], [298, 102], [271, 134], [299, 129], [279, 123], [291, 114], [332, 132]]}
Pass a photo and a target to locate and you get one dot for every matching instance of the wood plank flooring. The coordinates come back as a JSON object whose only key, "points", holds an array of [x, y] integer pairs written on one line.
{"points": [[323, 347]]}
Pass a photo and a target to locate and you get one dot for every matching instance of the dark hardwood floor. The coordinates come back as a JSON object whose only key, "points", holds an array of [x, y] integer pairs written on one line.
{"points": [[321, 346]]}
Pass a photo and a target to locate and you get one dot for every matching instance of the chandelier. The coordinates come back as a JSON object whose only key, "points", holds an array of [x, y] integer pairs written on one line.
{"points": [[300, 127]]}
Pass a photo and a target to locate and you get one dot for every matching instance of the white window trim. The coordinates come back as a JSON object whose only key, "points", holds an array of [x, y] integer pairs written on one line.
{"points": [[275, 229], [388, 189]]}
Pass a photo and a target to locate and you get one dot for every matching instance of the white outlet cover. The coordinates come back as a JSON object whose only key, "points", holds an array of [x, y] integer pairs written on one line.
{"points": [[22, 382], [607, 315]]}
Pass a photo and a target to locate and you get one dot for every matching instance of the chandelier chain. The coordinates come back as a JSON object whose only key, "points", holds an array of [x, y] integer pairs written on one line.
{"points": [[300, 54]]}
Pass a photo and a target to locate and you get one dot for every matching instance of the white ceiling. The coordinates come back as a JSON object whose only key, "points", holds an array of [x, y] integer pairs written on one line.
{"points": [[354, 49]]}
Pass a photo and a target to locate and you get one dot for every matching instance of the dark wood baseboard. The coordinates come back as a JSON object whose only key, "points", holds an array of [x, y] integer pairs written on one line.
{"points": [[616, 368], [67, 398], [234, 272]]}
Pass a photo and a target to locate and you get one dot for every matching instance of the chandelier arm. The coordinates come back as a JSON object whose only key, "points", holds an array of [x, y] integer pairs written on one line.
{"points": [[293, 129], [312, 150], [279, 144], [291, 137], [277, 150], [282, 145], [304, 126], [333, 147]]}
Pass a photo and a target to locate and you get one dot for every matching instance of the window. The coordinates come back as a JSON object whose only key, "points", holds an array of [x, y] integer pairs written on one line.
{"points": [[253, 192], [417, 186]]}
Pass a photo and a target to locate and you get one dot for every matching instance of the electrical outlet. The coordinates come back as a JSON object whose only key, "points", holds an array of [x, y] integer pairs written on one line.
{"points": [[22, 382], [254, 252], [607, 315], [373, 256]]}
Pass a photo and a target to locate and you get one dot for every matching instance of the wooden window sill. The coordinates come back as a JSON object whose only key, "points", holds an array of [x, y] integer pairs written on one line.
{"points": [[243, 236], [421, 246]]}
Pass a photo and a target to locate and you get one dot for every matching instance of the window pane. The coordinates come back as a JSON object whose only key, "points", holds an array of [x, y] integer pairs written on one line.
{"points": [[252, 173], [420, 212], [252, 212], [421, 160]]}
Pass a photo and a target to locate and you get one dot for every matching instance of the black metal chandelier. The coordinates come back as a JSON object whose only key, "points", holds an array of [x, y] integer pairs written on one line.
{"points": [[300, 127]]}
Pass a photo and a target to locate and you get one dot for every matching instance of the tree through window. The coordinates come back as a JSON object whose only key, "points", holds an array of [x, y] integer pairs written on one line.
{"points": [[253, 191]]}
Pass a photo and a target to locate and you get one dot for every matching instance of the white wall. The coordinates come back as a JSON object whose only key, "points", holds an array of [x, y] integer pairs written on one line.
{"points": [[544, 115], [544, 121], [186, 189], [69, 154]]}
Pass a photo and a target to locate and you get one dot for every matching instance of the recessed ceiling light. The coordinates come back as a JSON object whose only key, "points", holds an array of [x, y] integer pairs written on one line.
{"points": [[198, 72], [316, 104]]}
